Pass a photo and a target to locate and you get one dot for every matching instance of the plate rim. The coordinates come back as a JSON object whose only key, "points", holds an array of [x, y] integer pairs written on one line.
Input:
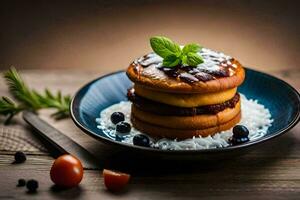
{"points": [[100, 138]]}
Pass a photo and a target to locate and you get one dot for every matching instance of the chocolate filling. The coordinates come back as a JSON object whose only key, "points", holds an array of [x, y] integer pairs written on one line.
{"points": [[216, 65], [190, 75], [164, 109]]}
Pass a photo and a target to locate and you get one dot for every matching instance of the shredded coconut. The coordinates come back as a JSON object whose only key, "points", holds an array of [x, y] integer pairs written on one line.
{"points": [[255, 117]]}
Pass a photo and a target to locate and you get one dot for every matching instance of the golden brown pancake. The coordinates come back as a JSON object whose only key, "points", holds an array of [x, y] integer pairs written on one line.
{"points": [[217, 73], [187, 122], [185, 100], [154, 107], [203, 98], [163, 132]]}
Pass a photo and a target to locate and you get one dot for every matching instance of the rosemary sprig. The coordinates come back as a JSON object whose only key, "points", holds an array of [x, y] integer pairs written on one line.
{"points": [[59, 102], [29, 99], [9, 108], [20, 90]]}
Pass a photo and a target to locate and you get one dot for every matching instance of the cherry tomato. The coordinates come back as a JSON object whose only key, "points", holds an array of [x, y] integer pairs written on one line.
{"points": [[66, 171], [115, 181]]}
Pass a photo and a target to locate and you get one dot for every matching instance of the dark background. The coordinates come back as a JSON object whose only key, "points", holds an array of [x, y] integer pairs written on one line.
{"points": [[107, 35]]}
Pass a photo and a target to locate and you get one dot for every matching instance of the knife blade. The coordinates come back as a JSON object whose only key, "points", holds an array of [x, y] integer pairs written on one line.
{"points": [[59, 141]]}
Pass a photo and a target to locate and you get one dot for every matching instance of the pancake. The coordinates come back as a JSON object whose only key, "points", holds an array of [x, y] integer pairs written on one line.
{"points": [[163, 132], [165, 109], [185, 100], [217, 73], [187, 122]]}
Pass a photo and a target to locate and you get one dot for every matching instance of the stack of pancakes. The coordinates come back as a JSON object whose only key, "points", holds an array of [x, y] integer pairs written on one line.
{"points": [[183, 101]]}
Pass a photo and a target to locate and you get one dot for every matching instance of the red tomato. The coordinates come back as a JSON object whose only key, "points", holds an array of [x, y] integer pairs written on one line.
{"points": [[115, 181], [66, 171]]}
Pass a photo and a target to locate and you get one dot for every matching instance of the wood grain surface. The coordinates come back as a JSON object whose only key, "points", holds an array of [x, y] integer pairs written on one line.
{"points": [[271, 171], [63, 44]]}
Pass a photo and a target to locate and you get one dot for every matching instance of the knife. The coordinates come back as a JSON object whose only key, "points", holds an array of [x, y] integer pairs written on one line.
{"points": [[59, 141]]}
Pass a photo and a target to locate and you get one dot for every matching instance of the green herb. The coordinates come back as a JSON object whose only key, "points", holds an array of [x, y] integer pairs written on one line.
{"points": [[193, 59], [194, 48], [29, 99], [164, 46], [173, 55], [9, 108], [171, 61]]}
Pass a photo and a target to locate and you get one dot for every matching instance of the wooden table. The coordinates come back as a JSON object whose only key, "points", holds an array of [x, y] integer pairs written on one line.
{"points": [[271, 171]]}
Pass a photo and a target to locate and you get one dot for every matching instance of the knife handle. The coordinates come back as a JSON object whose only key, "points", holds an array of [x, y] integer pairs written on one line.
{"points": [[47, 132], [59, 141]]}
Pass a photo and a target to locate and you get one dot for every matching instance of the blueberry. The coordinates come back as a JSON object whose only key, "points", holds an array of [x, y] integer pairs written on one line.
{"points": [[123, 127], [32, 185], [240, 131], [21, 182], [20, 157], [240, 135], [141, 140], [235, 141], [117, 117]]}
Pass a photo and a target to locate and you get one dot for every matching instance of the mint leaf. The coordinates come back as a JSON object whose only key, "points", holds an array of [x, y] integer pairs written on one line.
{"points": [[193, 59], [173, 55], [184, 59], [164, 47], [191, 48], [171, 61]]}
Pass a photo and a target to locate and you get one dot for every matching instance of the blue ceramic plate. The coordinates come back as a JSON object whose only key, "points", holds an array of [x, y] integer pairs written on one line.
{"points": [[280, 98]]}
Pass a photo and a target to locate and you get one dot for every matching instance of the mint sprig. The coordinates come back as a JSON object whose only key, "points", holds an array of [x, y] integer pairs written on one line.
{"points": [[173, 55]]}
